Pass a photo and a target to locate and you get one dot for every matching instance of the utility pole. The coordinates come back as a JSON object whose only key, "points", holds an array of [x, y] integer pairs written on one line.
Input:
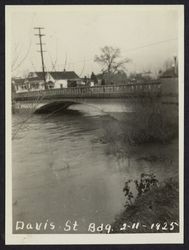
{"points": [[40, 35]]}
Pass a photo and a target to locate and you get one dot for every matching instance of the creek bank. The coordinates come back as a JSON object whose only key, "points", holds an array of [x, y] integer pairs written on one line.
{"points": [[151, 144], [159, 206]]}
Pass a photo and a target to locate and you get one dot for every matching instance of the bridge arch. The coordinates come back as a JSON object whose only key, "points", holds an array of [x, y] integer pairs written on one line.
{"points": [[54, 106]]}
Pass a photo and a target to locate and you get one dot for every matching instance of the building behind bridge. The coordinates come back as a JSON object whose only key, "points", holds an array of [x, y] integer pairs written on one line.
{"points": [[54, 80], [169, 80], [64, 79], [118, 78], [18, 84]]}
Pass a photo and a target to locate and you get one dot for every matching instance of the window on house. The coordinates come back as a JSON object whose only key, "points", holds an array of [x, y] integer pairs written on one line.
{"points": [[61, 86]]}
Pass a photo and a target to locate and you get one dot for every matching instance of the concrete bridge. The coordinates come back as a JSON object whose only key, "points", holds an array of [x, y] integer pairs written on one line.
{"points": [[108, 98]]}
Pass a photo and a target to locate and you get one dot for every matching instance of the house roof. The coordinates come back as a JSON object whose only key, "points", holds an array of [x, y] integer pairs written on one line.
{"points": [[169, 73], [18, 81], [64, 75], [57, 75], [35, 76]]}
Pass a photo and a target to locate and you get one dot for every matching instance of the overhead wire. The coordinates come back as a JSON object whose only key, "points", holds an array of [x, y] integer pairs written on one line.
{"points": [[132, 49], [135, 48]]}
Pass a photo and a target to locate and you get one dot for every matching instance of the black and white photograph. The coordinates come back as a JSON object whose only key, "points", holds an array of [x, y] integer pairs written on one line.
{"points": [[94, 124]]}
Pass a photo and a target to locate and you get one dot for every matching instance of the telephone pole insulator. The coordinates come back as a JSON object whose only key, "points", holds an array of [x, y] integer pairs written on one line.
{"points": [[40, 35]]}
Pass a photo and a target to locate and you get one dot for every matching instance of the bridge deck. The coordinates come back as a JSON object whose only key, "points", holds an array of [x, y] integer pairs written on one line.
{"points": [[105, 91]]}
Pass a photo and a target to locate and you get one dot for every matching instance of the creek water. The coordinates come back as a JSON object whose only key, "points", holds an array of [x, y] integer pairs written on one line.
{"points": [[63, 170]]}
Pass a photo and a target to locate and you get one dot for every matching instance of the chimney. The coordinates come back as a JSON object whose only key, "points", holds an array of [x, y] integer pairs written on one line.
{"points": [[175, 65]]}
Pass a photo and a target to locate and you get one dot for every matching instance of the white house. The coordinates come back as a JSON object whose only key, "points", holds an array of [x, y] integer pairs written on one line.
{"points": [[62, 79], [54, 80]]}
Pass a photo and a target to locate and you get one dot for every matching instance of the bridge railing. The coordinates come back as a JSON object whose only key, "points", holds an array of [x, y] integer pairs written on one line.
{"points": [[151, 88]]}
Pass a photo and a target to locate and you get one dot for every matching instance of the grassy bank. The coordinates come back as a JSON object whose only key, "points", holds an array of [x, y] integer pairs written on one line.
{"points": [[158, 208], [151, 139]]}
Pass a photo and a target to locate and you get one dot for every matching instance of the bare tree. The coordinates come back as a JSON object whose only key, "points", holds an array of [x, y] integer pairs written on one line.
{"points": [[110, 60]]}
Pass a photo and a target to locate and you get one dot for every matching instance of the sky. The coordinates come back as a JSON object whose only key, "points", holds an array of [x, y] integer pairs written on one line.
{"points": [[147, 35]]}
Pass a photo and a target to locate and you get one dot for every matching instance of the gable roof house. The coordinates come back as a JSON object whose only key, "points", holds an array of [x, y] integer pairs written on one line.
{"points": [[54, 79], [62, 79]]}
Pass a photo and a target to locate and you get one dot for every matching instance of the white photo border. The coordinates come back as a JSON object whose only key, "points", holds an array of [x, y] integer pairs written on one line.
{"points": [[71, 239]]}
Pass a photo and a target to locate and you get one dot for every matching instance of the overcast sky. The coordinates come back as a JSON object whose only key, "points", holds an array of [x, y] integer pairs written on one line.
{"points": [[74, 35]]}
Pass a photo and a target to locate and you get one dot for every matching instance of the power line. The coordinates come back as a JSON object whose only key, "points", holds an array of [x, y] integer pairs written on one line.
{"points": [[151, 44], [86, 60], [137, 48]]}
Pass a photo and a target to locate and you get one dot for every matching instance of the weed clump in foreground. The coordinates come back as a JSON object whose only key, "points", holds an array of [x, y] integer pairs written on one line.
{"points": [[145, 184], [155, 208]]}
